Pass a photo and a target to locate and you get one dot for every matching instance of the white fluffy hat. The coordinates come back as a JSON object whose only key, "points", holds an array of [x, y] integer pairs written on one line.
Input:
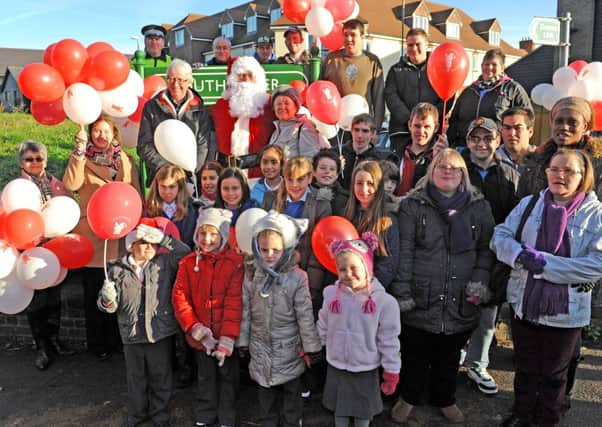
{"points": [[291, 229], [219, 218]]}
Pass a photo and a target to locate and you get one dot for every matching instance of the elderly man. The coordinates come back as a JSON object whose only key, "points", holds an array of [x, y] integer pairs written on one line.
{"points": [[154, 44], [297, 54], [243, 117], [179, 101], [264, 51], [221, 51]]}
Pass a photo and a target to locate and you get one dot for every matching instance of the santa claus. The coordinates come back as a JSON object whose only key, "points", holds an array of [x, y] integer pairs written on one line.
{"points": [[243, 117]]}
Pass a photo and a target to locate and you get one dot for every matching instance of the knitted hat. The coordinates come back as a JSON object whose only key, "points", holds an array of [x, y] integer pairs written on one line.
{"points": [[289, 228], [576, 104], [219, 218], [287, 90]]}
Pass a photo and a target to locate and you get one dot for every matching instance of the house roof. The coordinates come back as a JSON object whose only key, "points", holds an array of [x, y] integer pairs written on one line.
{"points": [[19, 57], [12, 70], [535, 68]]}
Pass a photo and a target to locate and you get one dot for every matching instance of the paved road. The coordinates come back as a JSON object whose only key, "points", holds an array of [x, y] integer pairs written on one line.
{"points": [[81, 391]]}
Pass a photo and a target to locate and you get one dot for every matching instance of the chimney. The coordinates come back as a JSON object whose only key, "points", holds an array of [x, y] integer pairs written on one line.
{"points": [[526, 44]]}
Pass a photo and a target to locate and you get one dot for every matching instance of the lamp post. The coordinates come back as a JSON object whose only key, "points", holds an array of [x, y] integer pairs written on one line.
{"points": [[403, 18]]}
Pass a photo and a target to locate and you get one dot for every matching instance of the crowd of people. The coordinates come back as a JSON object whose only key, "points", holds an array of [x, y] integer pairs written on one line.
{"points": [[409, 300]]}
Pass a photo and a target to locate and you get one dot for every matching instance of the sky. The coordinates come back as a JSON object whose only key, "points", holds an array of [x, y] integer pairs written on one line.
{"points": [[35, 24]]}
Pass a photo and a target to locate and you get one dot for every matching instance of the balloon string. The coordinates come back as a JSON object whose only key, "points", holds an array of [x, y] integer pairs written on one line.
{"points": [[194, 185], [340, 145], [105, 260]]}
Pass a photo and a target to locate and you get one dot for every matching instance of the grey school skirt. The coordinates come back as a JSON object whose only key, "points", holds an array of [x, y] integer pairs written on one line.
{"points": [[352, 394]]}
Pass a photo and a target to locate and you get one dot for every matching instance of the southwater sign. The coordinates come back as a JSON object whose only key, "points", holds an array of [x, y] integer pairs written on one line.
{"points": [[545, 31]]}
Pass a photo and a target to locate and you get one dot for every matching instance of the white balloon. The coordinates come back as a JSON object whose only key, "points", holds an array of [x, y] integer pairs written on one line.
{"points": [[328, 131], [8, 258], [584, 89], [61, 215], [550, 97], [317, 3], [176, 143], [82, 103], [356, 11], [38, 268], [119, 102], [538, 92], [129, 132], [135, 83], [352, 105], [304, 111], [14, 298], [244, 228], [563, 78], [319, 21], [593, 72], [21, 193]]}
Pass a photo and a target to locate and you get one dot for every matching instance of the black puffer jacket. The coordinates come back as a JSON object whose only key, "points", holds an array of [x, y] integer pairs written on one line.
{"points": [[429, 274]]}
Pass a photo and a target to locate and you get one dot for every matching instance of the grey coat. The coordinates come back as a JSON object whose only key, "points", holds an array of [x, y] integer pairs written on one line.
{"points": [[430, 275], [276, 328]]}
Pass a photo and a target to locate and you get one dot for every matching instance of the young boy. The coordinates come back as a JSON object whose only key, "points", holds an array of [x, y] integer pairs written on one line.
{"points": [[278, 324], [138, 289], [327, 167]]}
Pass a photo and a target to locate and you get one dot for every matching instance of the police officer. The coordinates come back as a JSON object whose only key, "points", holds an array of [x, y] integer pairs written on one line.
{"points": [[154, 43]]}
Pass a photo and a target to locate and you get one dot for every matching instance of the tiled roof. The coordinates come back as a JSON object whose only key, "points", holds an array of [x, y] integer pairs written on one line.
{"points": [[19, 57], [535, 68]]}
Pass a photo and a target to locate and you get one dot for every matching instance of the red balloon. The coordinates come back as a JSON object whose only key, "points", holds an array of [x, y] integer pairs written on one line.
{"points": [[301, 87], [2, 224], [152, 85], [73, 250], [95, 48], [324, 101], [340, 9], [447, 69], [326, 231], [296, 10], [578, 65], [597, 107], [69, 57], [48, 113], [40, 82], [108, 70], [48, 54], [137, 115], [24, 228], [334, 39], [114, 210]]}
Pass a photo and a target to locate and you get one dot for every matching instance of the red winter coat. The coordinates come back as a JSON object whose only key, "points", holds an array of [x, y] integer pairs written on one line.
{"points": [[211, 296], [260, 129]]}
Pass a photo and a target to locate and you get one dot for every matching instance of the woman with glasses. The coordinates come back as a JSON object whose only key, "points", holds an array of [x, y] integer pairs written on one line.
{"points": [[44, 311], [554, 265], [444, 263]]}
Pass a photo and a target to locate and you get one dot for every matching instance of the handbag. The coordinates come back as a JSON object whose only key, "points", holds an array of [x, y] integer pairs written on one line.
{"points": [[500, 273]]}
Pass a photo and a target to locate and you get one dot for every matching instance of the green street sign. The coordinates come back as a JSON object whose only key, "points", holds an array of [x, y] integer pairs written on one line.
{"points": [[210, 82], [545, 31]]}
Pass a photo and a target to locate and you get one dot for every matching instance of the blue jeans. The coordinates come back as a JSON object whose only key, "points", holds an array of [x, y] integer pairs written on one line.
{"points": [[477, 354]]}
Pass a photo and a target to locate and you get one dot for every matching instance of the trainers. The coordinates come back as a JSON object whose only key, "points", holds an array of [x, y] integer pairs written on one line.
{"points": [[306, 394], [485, 383]]}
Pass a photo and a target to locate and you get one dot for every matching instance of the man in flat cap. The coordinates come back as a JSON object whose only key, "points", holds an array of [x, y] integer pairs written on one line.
{"points": [[264, 51], [154, 42], [297, 54]]}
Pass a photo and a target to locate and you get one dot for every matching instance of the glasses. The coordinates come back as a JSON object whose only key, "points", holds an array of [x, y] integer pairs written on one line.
{"points": [[477, 139], [448, 168], [177, 80], [33, 159], [565, 172]]}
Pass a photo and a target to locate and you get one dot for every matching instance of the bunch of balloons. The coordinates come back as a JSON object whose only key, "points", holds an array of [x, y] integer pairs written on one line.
{"points": [[577, 79], [24, 224], [322, 18]]}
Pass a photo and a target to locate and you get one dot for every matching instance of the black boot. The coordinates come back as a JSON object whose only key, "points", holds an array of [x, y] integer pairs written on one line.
{"points": [[42, 360], [59, 347]]}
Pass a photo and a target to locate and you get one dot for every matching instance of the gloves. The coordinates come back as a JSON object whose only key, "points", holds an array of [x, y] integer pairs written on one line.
{"points": [[243, 352], [389, 383], [477, 293], [204, 335], [220, 356], [406, 304], [584, 287], [313, 358], [531, 259], [149, 234], [108, 292]]}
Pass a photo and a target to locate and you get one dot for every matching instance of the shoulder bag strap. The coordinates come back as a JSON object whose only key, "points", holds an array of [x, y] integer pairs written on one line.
{"points": [[523, 218]]}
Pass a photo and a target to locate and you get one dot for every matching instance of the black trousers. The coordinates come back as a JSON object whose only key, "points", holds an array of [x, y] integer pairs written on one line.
{"points": [[102, 332], [542, 355], [281, 405], [217, 389], [149, 379], [430, 362], [44, 314]]}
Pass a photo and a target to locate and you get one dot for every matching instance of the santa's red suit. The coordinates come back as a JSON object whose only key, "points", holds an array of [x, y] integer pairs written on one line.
{"points": [[240, 136]]}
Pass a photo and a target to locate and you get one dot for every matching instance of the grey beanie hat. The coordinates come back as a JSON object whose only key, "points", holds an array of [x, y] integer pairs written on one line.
{"points": [[287, 90], [219, 218]]}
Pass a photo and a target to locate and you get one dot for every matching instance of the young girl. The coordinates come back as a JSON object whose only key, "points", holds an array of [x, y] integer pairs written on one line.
{"points": [[233, 193], [277, 324], [208, 305], [359, 323], [168, 197], [391, 180], [271, 159], [327, 167], [367, 210], [209, 175]]}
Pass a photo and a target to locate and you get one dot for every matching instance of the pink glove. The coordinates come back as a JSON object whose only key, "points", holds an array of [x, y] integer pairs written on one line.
{"points": [[204, 335], [389, 383]]}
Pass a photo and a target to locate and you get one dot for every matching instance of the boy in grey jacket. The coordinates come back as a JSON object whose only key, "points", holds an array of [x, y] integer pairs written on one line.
{"points": [[138, 289]]}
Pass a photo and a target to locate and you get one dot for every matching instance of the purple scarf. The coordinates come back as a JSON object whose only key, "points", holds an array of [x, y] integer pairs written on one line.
{"points": [[541, 297], [449, 209]]}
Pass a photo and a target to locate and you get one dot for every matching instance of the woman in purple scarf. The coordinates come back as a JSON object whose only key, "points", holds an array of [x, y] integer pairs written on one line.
{"points": [[555, 263]]}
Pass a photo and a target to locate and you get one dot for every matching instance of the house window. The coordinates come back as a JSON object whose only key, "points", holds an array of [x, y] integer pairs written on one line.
{"points": [[228, 30], [251, 24], [179, 37], [420, 22], [275, 14], [494, 38], [452, 31]]}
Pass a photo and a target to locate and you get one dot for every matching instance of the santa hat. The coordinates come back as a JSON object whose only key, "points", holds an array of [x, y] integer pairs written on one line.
{"points": [[132, 238], [364, 249], [244, 64]]}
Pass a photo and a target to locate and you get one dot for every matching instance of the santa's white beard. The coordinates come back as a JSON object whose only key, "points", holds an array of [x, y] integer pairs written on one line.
{"points": [[246, 99]]}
